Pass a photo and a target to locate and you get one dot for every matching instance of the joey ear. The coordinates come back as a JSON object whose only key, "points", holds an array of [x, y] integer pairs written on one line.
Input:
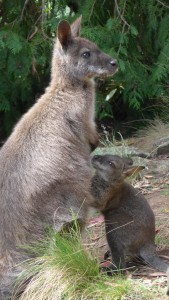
{"points": [[76, 26], [128, 162], [133, 170], [64, 33]]}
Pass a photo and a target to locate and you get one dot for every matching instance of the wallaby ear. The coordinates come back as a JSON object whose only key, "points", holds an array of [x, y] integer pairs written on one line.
{"points": [[76, 26], [133, 170], [128, 162], [64, 33]]}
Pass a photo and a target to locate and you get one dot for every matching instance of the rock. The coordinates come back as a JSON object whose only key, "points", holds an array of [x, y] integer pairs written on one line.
{"points": [[157, 168], [161, 146], [163, 149], [122, 151], [161, 141]]}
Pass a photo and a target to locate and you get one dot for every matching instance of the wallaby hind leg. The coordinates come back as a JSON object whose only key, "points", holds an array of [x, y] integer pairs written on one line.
{"points": [[117, 254], [67, 219], [168, 282]]}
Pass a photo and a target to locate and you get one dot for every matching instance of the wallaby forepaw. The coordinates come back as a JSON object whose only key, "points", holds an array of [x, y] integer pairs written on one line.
{"points": [[107, 255], [94, 145], [107, 267], [94, 141], [110, 269]]}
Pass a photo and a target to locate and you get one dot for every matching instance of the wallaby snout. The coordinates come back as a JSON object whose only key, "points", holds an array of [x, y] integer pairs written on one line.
{"points": [[103, 64], [113, 63], [108, 65]]}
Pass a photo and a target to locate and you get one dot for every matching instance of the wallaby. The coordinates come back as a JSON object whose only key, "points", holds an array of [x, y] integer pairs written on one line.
{"points": [[45, 165], [129, 219]]}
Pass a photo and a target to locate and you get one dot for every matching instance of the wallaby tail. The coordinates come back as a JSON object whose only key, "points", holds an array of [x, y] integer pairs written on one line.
{"points": [[155, 261], [168, 282]]}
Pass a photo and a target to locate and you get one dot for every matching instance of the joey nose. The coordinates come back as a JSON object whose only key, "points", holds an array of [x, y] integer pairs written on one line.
{"points": [[95, 158], [113, 63]]}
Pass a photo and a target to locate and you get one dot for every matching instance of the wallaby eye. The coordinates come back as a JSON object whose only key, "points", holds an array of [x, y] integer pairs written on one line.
{"points": [[86, 54], [112, 164]]}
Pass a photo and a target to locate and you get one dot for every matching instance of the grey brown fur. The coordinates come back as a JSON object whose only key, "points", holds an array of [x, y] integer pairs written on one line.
{"points": [[45, 167], [129, 220]]}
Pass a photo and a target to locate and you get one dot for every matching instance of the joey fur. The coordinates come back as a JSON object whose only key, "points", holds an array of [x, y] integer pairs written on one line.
{"points": [[45, 167], [129, 219]]}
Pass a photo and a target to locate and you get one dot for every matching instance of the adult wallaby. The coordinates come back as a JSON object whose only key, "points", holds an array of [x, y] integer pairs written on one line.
{"points": [[45, 167], [129, 220]]}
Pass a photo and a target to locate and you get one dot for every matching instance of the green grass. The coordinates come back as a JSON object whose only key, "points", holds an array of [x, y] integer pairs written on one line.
{"points": [[165, 192], [64, 270], [161, 241]]}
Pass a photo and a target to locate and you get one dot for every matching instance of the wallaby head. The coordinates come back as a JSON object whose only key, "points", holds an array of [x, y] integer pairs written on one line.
{"points": [[113, 167], [107, 178], [80, 59]]}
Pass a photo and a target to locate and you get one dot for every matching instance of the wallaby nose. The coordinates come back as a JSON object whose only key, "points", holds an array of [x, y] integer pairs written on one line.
{"points": [[113, 63]]}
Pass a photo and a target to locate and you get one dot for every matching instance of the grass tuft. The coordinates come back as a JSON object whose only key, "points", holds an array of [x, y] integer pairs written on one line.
{"points": [[147, 137], [64, 270]]}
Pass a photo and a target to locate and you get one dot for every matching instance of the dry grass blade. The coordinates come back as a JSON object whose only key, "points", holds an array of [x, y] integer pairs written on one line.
{"points": [[154, 131]]}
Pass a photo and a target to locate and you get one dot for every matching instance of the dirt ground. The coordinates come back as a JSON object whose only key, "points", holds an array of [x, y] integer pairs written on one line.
{"points": [[159, 202]]}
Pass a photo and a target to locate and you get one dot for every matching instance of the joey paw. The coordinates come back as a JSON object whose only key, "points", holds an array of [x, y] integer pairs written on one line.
{"points": [[110, 269], [107, 267]]}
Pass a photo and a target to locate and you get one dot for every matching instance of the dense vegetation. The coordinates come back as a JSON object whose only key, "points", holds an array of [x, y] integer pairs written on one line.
{"points": [[134, 32]]}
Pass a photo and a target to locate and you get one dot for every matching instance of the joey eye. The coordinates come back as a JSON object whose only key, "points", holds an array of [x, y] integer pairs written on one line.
{"points": [[86, 54], [112, 164]]}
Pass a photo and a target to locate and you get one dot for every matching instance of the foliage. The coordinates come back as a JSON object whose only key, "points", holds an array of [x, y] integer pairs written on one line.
{"points": [[134, 32], [137, 35], [25, 50]]}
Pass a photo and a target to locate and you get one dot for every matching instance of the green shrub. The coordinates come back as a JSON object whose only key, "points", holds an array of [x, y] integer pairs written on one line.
{"points": [[134, 32]]}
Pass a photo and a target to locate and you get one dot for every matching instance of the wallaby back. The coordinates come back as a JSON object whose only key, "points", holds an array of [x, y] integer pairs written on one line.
{"points": [[45, 168], [129, 220]]}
